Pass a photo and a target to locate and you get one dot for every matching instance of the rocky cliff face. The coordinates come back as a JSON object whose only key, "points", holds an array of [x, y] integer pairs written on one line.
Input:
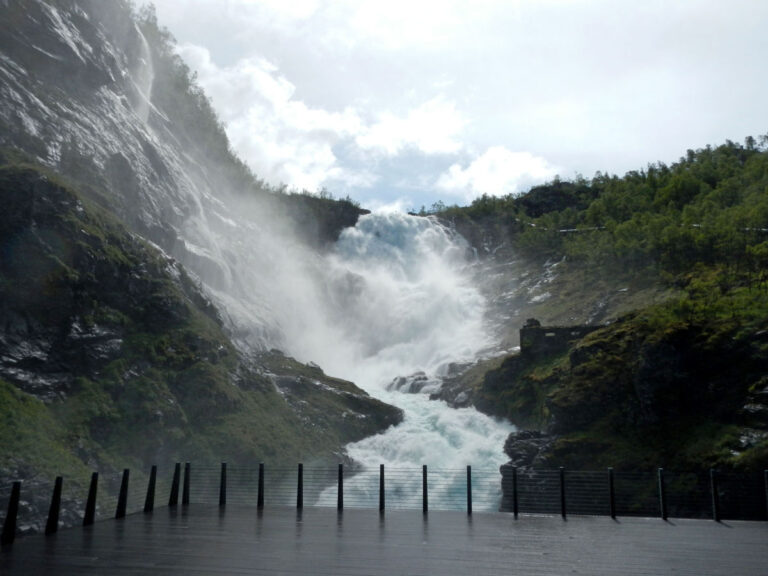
{"points": [[76, 96], [98, 96]]}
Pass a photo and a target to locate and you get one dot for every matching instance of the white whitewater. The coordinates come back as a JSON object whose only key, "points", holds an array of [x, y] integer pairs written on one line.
{"points": [[143, 77], [397, 300], [400, 302]]}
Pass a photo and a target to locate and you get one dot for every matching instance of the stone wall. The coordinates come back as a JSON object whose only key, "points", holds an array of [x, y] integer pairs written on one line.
{"points": [[537, 340]]}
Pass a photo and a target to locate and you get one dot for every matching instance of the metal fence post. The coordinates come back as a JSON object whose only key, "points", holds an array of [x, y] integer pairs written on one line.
{"points": [[611, 494], [90, 505], [340, 494], [514, 491], [469, 489], [122, 499], [381, 487], [260, 492], [149, 501], [765, 482], [562, 491], [662, 495], [300, 488], [715, 495], [9, 526], [52, 525], [223, 485], [424, 495], [185, 493], [173, 499]]}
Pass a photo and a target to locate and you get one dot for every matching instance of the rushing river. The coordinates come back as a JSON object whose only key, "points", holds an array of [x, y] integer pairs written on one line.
{"points": [[401, 303]]}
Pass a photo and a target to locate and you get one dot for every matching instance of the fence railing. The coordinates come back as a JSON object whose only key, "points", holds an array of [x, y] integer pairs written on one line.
{"points": [[712, 494], [348, 487], [716, 495]]}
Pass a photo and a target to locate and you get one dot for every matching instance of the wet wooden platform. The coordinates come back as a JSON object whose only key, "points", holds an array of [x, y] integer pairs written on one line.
{"points": [[201, 539]]}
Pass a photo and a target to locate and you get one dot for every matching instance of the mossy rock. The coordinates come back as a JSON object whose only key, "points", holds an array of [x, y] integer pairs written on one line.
{"points": [[655, 388]]}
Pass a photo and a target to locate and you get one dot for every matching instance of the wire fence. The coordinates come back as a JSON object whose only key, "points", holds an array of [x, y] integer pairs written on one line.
{"points": [[46, 505], [664, 493], [739, 495], [352, 487]]}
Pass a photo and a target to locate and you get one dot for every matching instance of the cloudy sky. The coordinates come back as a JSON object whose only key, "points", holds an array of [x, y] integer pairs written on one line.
{"points": [[401, 103]]}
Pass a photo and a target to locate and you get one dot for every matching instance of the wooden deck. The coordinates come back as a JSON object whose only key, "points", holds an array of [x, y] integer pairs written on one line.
{"points": [[201, 539]]}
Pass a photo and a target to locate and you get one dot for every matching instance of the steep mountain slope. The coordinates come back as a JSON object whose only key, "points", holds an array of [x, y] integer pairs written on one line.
{"points": [[671, 260], [110, 355], [98, 95]]}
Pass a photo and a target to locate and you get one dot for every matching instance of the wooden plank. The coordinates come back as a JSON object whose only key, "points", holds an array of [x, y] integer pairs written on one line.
{"points": [[206, 539]]}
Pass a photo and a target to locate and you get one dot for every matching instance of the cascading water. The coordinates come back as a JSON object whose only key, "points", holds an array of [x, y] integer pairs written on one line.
{"points": [[400, 302], [143, 77], [394, 299], [397, 297]]}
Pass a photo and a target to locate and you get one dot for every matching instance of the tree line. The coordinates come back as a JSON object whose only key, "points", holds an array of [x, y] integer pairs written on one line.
{"points": [[710, 208]]}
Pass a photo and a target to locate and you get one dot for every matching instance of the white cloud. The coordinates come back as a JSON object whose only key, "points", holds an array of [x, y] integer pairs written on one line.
{"points": [[396, 24], [497, 172], [293, 10], [285, 140], [282, 138], [432, 128], [343, 93]]}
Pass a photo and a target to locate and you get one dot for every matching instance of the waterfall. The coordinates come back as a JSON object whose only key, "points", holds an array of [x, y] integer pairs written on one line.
{"points": [[143, 76], [397, 301]]}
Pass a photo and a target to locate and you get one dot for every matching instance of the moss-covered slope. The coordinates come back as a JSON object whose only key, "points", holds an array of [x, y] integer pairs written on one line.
{"points": [[682, 384]]}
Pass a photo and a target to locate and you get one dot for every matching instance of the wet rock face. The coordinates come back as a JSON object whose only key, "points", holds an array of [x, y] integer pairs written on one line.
{"points": [[414, 384], [75, 83], [320, 400], [43, 363], [68, 47], [69, 97], [526, 448], [66, 284]]}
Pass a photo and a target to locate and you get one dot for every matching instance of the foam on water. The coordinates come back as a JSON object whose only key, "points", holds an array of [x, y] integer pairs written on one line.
{"points": [[397, 300]]}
